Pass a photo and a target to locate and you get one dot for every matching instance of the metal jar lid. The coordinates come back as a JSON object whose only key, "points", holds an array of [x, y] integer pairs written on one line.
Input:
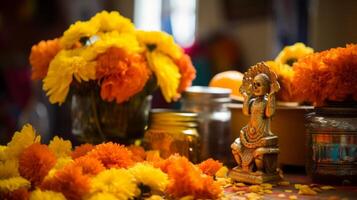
{"points": [[207, 94], [173, 117]]}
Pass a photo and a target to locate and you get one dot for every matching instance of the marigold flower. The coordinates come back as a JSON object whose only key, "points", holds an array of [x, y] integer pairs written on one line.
{"points": [[46, 195], [61, 162], [41, 56], [167, 74], [112, 21], [90, 166], [61, 148], [210, 166], [103, 196], [20, 141], [70, 181], [59, 78], [118, 182], [161, 42], [285, 74], [2, 152], [125, 41], [112, 155], [150, 176], [18, 194], [138, 153], [101, 22], [35, 162], [81, 150], [187, 71], [291, 54], [326, 76], [77, 31], [123, 74], [9, 168], [155, 197], [13, 183], [186, 179]]}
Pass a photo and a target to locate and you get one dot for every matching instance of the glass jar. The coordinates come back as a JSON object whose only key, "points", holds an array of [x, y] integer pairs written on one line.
{"points": [[173, 132], [211, 104], [332, 145], [95, 120]]}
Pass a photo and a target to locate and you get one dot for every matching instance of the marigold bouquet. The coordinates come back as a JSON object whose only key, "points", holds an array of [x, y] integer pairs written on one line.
{"points": [[329, 75], [109, 50], [35, 171], [282, 66], [317, 78]]}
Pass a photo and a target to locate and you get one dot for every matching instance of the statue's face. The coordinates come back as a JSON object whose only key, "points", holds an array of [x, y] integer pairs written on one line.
{"points": [[260, 85]]}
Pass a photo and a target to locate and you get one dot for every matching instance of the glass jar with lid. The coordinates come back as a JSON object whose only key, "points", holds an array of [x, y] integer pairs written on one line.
{"points": [[172, 132], [332, 144], [211, 105]]}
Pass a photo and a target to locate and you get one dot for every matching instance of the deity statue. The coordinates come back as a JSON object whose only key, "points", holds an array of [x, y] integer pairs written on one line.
{"points": [[256, 149]]}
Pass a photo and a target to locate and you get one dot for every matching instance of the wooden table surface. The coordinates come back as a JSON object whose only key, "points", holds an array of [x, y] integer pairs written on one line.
{"points": [[279, 192]]}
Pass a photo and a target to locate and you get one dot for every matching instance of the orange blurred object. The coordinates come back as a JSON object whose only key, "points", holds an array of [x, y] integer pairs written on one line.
{"points": [[230, 80]]}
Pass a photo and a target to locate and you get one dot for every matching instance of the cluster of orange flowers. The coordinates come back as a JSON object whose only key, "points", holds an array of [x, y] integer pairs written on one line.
{"points": [[329, 75], [109, 50], [72, 174]]}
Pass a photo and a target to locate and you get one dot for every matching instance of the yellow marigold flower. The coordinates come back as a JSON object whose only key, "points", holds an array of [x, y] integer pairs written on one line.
{"points": [[150, 176], [76, 31], [2, 152], [20, 141], [9, 168], [118, 182], [125, 41], [222, 172], [167, 74], [60, 163], [155, 197], [46, 195], [285, 75], [64, 66], [102, 196], [160, 41], [291, 54], [13, 183], [112, 21], [61, 148]]}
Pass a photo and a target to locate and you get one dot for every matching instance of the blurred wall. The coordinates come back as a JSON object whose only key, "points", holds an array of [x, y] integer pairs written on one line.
{"points": [[256, 36], [333, 23]]}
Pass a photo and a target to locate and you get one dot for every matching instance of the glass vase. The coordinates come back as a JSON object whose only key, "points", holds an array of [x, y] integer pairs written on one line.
{"points": [[332, 145], [95, 120]]}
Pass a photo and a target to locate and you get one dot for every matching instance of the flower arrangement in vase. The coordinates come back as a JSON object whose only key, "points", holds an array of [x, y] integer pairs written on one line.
{"points": [[111, 69]]}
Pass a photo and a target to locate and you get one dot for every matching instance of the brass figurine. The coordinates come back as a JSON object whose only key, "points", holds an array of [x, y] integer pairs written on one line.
{"points": [[256, 150]]}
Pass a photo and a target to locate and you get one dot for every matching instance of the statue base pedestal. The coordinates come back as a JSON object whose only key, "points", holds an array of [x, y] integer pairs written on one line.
{"points": [[239, 175]]}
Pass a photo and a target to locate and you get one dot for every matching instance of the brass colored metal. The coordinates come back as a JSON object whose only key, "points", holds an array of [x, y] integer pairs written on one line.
{"points": [[256, 150]]}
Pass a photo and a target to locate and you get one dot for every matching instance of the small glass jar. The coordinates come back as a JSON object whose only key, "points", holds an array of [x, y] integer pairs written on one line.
{"points": [[332, 145], [172, 132], [214, 120]]}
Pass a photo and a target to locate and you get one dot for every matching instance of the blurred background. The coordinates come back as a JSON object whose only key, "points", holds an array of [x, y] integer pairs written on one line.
{"points": [[219, 35]]}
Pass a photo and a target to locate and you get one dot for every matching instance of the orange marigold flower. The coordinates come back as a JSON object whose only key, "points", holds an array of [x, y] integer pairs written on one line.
{"points": [[41, 56], [70, 181], [123, 75], [210, 166], [138, 153], [187, 71], [330, 75], [81, 150], [112, 155], [90, 166], [35, 162], [186, 179], [19, 194]]}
